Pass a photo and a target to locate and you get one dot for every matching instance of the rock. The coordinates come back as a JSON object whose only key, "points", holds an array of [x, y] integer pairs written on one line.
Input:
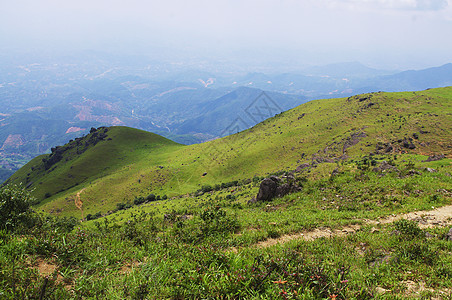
{"points": [[275, 187], [252, 200], [407, 143], [267, 189], [431, 170], [435, 157], [384, 166], [275, 178], [283, 189], [449, 235], [335, 172], [413, 172], [428, 235]]}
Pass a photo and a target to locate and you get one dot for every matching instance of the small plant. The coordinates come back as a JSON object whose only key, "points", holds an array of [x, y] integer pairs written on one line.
{"points": [[408, 228], [215, 221]]}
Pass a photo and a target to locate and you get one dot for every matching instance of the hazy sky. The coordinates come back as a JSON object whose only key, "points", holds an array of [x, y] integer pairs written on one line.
{"points": [[379, 33]]}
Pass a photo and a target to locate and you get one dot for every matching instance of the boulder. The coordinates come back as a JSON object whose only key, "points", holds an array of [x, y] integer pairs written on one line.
{"points": [[275, 187], [384, 166], [267, 189], [301, 167], [408, 143], [435, 157]]}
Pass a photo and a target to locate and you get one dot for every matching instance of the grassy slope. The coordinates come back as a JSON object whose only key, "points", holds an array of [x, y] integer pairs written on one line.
{"points": [[215, 245], [126, 168]]}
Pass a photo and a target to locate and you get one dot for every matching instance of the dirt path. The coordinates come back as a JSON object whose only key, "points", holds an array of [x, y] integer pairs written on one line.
{"points": [[437, 217], [78, 202]]}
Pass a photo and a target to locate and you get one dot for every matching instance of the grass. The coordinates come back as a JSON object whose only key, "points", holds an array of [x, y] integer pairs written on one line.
{"points": [[206, 245], [135, 163], [206, 241]]}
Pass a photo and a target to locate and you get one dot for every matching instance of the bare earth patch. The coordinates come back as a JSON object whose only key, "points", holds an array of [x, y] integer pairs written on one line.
{"points": [[441, 216], [45, 268]]}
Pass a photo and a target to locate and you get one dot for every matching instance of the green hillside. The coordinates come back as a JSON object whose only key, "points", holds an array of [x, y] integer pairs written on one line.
{"points": [[361, 210], [129, 163]]}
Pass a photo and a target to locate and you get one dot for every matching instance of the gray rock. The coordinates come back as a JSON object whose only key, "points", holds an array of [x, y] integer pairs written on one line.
{"points": [[449, 235], [428, 235], [384, 166], [275, 187], [301, 167], [431, 170], [267, 189], [435, 157]]}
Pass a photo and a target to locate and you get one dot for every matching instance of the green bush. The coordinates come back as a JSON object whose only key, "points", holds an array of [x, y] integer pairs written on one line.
{"points": [[139, 200], [206, 188], [408, 228], [15, 212], [216, 221], [150, 197]]}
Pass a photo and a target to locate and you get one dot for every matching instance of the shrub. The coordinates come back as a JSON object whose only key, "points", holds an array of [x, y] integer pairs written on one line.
{"points": [[139, 200], [216, 221], [206, 188], [15, 210], [408, 228], [120, 206], [150, 197]]}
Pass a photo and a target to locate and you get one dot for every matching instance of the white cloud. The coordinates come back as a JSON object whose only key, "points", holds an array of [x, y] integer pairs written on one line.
{"points": [[408, 5]]}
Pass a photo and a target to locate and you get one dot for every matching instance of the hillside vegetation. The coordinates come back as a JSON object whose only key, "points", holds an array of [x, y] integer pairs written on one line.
{"points": [[362, 209], [129, 163]]}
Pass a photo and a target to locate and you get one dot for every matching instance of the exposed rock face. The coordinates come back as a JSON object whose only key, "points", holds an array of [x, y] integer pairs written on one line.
{"points": [[276, 187], [408, 143], [353, 140], [301, 167], [435, 157], [267, 189], [81, 144], [384, 166]]}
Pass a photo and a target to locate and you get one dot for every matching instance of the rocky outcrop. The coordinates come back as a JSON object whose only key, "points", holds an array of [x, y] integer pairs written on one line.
{"points": [[302, 167], [267, 189], [435, 157], [273, 187], [384, 166], [80, 144]]}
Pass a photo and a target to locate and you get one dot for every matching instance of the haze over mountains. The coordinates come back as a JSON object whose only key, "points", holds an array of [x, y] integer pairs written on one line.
{"points": [[47, 101]]}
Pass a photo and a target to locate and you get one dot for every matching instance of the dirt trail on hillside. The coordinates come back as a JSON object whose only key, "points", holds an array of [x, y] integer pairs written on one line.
{"points": [[78, 202], [437, 217]]}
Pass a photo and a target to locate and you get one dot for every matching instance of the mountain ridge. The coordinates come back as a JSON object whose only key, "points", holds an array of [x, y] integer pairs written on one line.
{"points": [[318, 132]]}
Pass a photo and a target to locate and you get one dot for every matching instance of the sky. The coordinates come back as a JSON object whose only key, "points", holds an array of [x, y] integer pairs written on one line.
{"points": [[394, 34]]}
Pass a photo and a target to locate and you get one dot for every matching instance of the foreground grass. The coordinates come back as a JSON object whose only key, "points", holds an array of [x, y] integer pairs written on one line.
{"points": [[205, 245]]}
